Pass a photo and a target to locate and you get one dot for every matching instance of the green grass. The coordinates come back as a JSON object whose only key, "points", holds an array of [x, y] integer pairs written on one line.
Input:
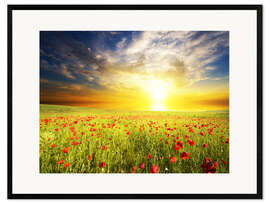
{"points": [[129, 137]]}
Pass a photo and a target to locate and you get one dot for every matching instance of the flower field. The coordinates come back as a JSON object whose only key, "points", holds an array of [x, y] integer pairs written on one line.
{"points": [[84, 140]]}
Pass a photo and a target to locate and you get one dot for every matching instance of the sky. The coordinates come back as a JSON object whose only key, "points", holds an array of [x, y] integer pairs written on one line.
{"points": [[135, 70]]}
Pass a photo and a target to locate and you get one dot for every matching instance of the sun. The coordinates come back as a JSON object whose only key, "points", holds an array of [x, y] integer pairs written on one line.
{"points": [[158, 90], [158, 94]]}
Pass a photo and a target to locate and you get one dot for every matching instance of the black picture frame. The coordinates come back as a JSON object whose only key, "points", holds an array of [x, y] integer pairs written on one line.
{"points": [[257, 8]]}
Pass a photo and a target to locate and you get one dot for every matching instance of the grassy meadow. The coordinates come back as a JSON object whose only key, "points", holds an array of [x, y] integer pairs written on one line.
{"points": [[85, 140]]}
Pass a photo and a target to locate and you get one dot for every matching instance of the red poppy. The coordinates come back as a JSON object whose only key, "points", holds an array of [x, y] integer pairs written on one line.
{"points": [[207, 160], [227, 141], [173, 159], [60, 162], [205, 145], [149, 156], [102, 165], [184, 155], [178, 146], [224, 162], [215, 164], [65, 150], [89, 157], [142, 166], [209, 167], [202, 133], [134, 169], [104, 147], [190, 142], [154, 169], [74, 143], [53, 145], [56, 129], [159, 157], [66, 164], [128, 133]]}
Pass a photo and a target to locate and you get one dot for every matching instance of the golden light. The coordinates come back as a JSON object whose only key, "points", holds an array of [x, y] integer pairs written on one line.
{"points": [[158, 90], [159, 108]]}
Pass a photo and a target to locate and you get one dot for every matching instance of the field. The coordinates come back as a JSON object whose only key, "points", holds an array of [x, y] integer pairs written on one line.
{"points": [[85, 140]]}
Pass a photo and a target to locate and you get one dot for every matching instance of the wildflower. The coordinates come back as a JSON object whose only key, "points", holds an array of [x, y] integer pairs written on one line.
{"points": [[74, 143], [190, 142], [66, 164], [65, 150], [142, 166], [209, 167], [60, 162], [134, 169], [173, 159], [184, 155], [101, 165], [154, 169]]}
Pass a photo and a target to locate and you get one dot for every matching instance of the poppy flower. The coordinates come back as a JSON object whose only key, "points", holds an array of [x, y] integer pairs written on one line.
{"points": [[173, 159], [134, 169], [207, 160], [65, 150], [128, 133], [154, 169], [209, 167], [202, 133], [104, 147], [149, 156], [74, 143], [60, 162], [89, 157], [159, 157], [66, 164], [227, 141], [142, 166], [215, 164], [56, 129], [177, 147], [184, 155], [101, 165], [53, 145], [190, 142], [205, 145], [224, 162]]}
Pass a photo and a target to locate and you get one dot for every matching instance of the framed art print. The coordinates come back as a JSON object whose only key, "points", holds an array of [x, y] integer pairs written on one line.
{"points": [[135, 101]]}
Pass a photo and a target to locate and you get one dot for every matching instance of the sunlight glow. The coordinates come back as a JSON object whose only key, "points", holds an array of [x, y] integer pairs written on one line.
{"points": [[158, 90], [159, 108]]}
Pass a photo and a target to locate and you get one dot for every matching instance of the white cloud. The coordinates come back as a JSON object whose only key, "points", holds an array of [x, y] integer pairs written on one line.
{"points": [[65, 72], [121, 44], [177, 56], [210, 68]]}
